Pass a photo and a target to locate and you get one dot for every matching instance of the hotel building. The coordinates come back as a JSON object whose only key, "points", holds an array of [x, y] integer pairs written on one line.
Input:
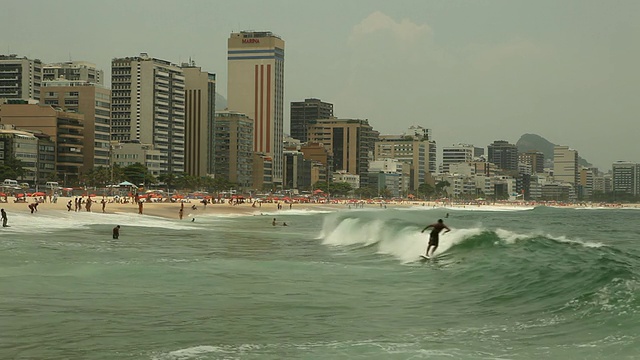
{"points": [[256, 88]]}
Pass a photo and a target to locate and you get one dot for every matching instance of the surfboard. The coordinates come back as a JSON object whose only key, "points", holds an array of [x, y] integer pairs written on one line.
{"points": [[424, 257]]}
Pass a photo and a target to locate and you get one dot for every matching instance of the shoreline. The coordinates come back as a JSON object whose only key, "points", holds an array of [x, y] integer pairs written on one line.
{"points": [[170, 210]]}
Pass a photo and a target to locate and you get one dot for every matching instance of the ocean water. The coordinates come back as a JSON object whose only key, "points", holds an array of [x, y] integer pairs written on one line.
{"points": [[536, 283]]}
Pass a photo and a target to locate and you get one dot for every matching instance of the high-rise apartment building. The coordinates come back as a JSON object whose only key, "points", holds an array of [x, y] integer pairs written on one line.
{"points": [[415, 149], [233, 139], [20, 78], [533, 158], [73, 71], [148, 106], [306, 112], [626, 177], [503, 155], [565, 165], [94, 102], [256, 88], [65, 129], [459, 153], [351, 141], [200, 91]]}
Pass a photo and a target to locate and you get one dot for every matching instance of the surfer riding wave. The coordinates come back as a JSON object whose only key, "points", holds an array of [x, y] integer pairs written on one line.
{"points": [[434, 236]]}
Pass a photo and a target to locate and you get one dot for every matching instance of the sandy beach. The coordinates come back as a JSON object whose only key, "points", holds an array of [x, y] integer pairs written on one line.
{"points": [[170, 210]]}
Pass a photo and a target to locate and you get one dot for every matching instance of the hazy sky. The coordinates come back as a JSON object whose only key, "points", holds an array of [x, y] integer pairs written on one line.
{"points": [[472, 71]]}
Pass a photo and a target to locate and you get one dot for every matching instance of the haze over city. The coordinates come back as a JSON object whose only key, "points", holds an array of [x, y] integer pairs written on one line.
{"points": [[472, 71]]}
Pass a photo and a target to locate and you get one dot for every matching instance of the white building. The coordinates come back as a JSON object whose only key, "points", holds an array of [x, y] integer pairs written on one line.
{"points": [[626, 177], [20, 78], [343, 176], [125, 154], [148, 106], [456, 154], [565, 165]]}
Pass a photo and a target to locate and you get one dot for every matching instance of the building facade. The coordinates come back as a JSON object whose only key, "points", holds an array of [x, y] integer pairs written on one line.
{"points": [[351, 141], [233, 139], [65, 130], [306, 112], [456, 154], [256, 88], [129, 153], [565, 165], [533, 158], [94, 103], [23, 146], [200, 96], [148, 106], [20, 78], [418, 151], [504, 155], [626, 178], [73, 71]]}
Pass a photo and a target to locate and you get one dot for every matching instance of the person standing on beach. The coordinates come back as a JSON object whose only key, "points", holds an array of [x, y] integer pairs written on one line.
{"points": [[104, 204], [434, 236], [116, 232], [4, 218], [140, 207], [181, 212]]}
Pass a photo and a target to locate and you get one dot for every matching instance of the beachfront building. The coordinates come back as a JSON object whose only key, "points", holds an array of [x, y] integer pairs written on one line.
{"points": [[256, 88], [74, 71], [133, 152], [234, 156], [565, 165], [459, 153], [65, 130], [504, 155], [200, 105], [297, 171], [415, 148], [91, 100], [533, 158], [401, 169], [307, 112], [20, 77], [626, 178], [148, 106], [351, 142], [22, 146]]}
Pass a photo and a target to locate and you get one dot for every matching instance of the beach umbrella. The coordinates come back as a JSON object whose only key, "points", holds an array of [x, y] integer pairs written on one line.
{"points": [[19, 195], [126, 183], [2, 194], [39, 193]]}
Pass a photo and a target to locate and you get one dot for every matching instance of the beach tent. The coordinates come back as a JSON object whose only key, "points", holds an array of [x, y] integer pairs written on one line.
{"points": [[126, 183]]}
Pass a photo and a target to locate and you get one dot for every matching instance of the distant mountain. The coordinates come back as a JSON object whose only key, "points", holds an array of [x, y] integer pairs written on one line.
{"points": [[221, 102], [528, 142]]}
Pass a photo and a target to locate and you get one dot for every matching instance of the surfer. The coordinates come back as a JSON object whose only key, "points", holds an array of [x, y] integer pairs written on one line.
{"points": [[116, 232], [4, 218], [434, 236]]}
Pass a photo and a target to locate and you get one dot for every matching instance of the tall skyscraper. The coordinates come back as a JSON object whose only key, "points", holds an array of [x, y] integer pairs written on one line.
{"points": [[73, 71], [20, 78], [565, 165], [256, 88], [503, 155], [200, 91], [148, 106], [306, 112]]}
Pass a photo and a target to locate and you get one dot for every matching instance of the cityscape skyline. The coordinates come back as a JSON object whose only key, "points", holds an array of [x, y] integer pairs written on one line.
{"points": [[473, 74]]}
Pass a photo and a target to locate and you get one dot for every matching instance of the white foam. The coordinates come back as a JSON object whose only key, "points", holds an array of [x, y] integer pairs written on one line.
{"points": [[46, 222], [192, 352], [511, 237]]}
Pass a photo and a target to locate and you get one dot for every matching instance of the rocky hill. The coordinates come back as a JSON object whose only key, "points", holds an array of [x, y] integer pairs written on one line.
{"points": [[528, 142]]}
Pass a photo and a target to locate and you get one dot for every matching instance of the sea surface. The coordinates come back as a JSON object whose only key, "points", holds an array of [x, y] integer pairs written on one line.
{"points": [[507, 283]]}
